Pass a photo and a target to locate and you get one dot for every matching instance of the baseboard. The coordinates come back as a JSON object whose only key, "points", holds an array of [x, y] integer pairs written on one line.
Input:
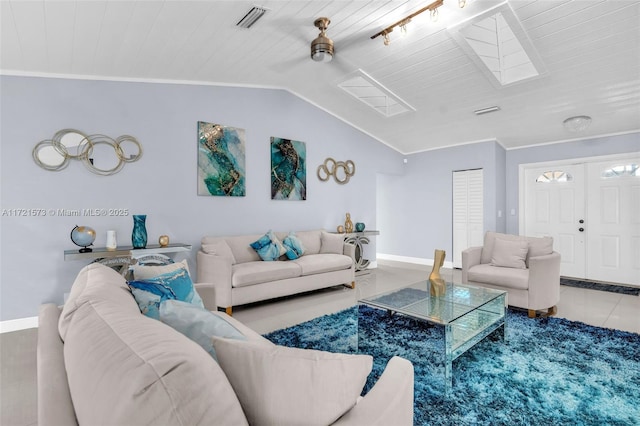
{"points": [[18, 324], [414, 260]]}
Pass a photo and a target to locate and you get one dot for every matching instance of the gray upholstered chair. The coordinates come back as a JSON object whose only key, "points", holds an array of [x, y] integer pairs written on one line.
{"points": [[526, 268]]}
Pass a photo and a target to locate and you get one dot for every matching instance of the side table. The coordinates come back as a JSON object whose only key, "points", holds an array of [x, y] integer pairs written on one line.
{"points": [[358, 239], [124, 257]]}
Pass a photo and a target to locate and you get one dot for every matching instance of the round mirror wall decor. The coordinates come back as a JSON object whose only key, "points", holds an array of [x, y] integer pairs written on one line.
{"points": [[100, 154]]}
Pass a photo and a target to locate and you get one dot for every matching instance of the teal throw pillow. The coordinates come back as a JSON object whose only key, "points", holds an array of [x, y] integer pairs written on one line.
{"points": [[174, 285], [293, 246], [268, 247], [198, 324]]}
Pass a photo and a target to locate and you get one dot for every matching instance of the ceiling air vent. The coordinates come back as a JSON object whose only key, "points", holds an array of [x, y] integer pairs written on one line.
{"points": [[364, 88], [251, 17]]}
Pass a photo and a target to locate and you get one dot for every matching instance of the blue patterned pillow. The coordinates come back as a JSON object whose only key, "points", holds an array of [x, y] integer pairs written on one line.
{"points": [[268, 247], [293, 246], [197, 324], [175, 285]]}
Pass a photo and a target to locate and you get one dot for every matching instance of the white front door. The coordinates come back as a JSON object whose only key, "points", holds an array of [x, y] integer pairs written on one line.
{"points": [[554, 205], [613, 227]]}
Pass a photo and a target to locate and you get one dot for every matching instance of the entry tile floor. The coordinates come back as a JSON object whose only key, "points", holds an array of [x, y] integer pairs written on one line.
{"points": [[599, 308]]}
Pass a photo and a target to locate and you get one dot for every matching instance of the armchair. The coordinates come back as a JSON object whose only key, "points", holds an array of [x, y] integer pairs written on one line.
{"points": [[526, 268]]}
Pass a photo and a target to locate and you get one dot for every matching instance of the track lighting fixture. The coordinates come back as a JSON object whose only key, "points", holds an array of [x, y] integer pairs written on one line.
{"points": [[433, 11]]}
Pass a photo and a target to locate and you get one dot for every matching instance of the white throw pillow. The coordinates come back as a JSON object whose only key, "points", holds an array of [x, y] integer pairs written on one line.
{"points": [[331, 243], [509, 254], [289, 386]]}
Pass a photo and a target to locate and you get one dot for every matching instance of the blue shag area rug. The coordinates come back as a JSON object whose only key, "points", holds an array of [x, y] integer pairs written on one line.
{"points": [[593, 285], [550, 371]]}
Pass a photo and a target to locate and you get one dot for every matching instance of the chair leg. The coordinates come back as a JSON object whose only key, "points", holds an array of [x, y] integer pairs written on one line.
{"points": [[352, 285], [532, 313], [552, 311], [229, 310]]}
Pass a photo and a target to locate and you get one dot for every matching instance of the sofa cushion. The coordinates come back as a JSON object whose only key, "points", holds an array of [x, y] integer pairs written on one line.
{"points": [[177, 285], [331, 243], [241, 248], [268, 247], [293, 246], [96, 280], [289, 386], [310, 240], [219, 247], [538, 246], [541, 246], [118, 361], [505, 277], [320, 263], [250, 273], [509, 254]]}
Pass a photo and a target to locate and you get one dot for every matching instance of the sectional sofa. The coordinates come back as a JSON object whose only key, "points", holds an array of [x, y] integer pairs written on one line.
{"points": [[100, 361]]}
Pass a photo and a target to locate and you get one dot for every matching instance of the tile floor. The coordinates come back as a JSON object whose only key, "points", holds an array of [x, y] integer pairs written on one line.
{"points": [[18, 349]]}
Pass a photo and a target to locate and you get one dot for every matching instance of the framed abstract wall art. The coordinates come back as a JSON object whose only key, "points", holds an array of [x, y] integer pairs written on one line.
{"points": [[288, 169], [221, 160]]}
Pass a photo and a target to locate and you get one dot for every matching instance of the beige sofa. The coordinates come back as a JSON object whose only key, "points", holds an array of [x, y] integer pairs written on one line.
{"points": [[100, 361], [239, 275], [526, 268]]}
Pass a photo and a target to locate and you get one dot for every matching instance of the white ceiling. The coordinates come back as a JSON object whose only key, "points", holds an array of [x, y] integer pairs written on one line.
{"points": [[589, 49]]}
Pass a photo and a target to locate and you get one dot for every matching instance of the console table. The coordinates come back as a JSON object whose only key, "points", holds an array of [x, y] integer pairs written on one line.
{"points": [[358, 239], [123, 257]]}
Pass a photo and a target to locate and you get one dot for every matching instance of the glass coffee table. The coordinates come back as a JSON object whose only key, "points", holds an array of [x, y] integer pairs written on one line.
{"points": [[467, 313]]}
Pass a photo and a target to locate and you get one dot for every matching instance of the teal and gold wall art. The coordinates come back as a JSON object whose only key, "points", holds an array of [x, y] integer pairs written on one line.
{"points": [[221, 160], [288, 169]]}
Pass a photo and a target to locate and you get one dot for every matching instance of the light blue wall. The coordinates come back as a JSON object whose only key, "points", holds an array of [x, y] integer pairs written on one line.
{"points": [[628, 143], [417, 205], [415, 211], [163, 183]]}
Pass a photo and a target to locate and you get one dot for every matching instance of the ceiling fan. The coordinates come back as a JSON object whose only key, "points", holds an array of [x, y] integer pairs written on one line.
{"points": [[322, 46]]}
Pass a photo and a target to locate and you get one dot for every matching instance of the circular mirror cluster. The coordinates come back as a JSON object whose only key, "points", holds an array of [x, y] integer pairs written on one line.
{"points": [[100, 154], [340, 170]]}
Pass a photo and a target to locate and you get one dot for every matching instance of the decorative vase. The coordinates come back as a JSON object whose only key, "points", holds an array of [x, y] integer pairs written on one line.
{"points": [[139, 233], [359, 226], [437, 286], [348, 224], [111, 240]]}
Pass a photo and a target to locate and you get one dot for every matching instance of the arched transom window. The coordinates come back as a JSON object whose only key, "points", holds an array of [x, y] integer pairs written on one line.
{"points": [[554, 176], [620, 171]]}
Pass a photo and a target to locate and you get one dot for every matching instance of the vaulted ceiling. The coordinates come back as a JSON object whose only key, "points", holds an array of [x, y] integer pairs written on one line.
{"points": [[586, 52]]}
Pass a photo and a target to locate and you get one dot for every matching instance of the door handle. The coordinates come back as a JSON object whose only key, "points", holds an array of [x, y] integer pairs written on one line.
{"points": [[581, 229]]}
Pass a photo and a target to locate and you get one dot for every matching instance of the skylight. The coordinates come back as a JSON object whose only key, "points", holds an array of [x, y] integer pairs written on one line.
{"points": [[497, 43], [364, 88]]}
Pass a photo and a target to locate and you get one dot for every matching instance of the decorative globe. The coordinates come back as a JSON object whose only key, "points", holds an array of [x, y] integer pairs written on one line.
{"points": [[83, 236]]}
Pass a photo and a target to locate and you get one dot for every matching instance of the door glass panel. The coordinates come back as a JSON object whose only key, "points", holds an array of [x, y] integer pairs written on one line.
{"points": [[554, 176], [623, 170]]}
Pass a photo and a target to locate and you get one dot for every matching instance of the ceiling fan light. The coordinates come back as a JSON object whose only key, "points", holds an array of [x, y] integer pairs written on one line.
{"points": [[322, 49], [322, 46]]}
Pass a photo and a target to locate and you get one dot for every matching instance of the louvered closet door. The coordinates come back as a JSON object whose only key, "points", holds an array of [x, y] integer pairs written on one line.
{"points": [[468, 219]]}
